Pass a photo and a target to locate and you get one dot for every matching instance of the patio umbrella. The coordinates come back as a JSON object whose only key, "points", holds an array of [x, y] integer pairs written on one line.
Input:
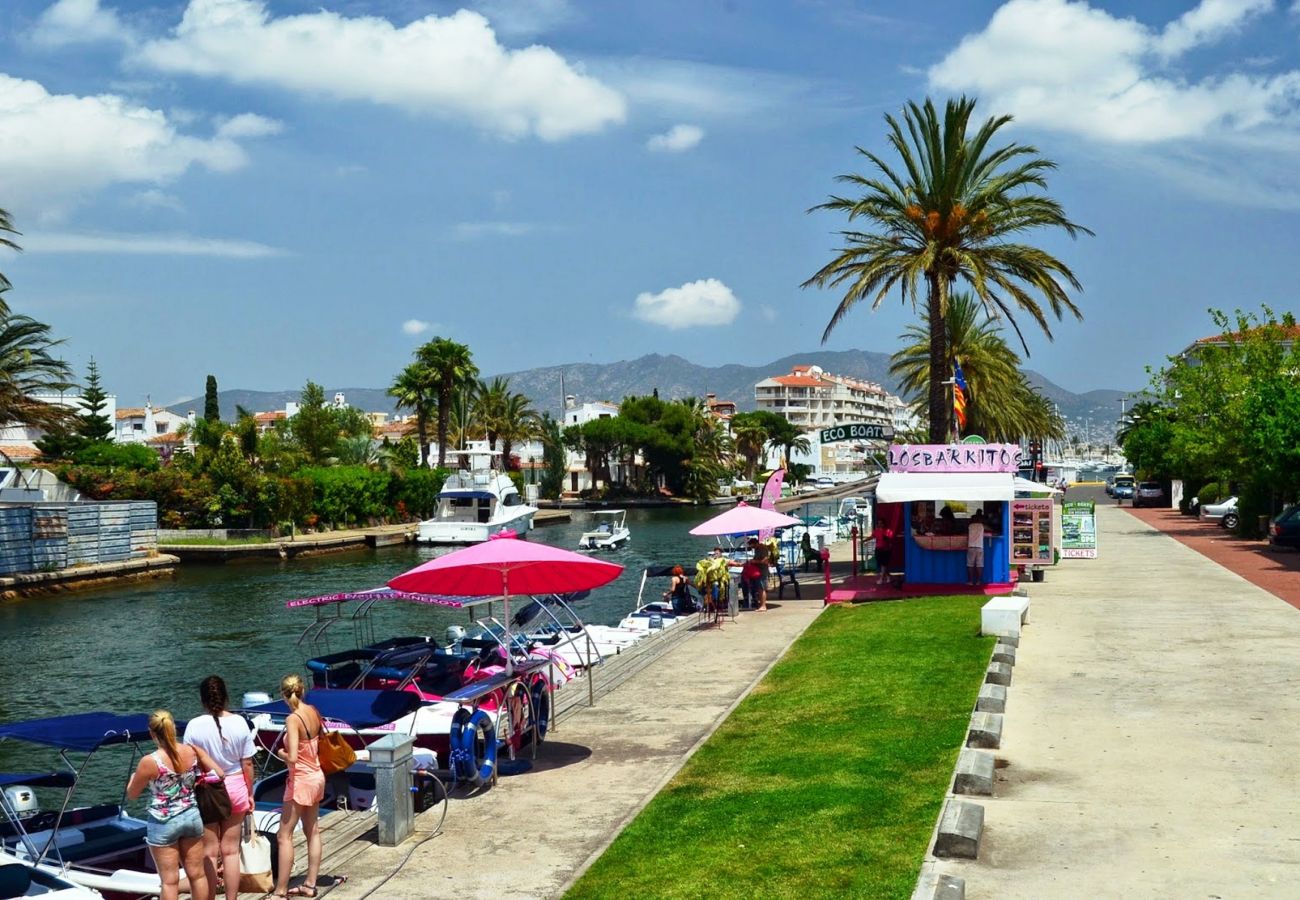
{"points": [[744, 519], [505, 564]]}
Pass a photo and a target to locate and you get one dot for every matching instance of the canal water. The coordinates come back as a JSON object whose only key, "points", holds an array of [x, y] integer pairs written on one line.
{"points": [[145, 646]]}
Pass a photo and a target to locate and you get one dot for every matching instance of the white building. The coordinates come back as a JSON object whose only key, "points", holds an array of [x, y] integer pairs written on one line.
{"points": [[811, 398], [142, 424], [580, 415]]}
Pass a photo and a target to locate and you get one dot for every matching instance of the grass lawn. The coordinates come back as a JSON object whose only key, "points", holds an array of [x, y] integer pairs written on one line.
{"points": [[827, 780], [216, 542]]}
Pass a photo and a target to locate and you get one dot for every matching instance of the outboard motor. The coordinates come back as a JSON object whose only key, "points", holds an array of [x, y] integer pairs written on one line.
{"points": [[22, 800], [454, 635], [255, 698]]}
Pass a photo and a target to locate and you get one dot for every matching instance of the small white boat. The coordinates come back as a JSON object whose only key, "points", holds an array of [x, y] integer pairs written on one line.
{"points": [[476, 503], [610, 532]]}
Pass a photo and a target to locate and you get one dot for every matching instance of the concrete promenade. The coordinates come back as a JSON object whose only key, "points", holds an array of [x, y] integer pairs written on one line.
{"points": [[529, 835], [1150, 733]]}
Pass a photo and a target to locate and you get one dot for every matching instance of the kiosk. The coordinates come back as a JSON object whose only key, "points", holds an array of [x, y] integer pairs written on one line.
{"points": [[923, 480]]}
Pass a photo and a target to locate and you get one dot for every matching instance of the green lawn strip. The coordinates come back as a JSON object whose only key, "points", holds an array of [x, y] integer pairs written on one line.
{"points": [[828, 778], [216, 542]]}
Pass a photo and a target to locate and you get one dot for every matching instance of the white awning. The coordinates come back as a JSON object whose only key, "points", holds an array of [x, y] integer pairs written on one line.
{"points": [[1025, 486], [901, 487]]}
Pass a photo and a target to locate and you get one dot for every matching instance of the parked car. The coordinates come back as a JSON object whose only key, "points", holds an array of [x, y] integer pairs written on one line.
{"points": [[1148, 493], [825, 482], [1123, 490], [1284, 530], [1214, 512]]}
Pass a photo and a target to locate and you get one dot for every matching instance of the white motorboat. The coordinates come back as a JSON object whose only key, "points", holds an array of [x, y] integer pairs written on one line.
{"points": [[21, 878], [476, 502], [610, 532]]}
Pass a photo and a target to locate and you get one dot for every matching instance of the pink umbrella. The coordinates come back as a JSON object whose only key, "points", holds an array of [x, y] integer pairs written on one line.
{"points": [[743, 519], [503, 565]]}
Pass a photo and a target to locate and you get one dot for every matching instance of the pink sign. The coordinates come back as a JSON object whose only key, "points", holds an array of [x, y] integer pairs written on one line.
{"points": [[954, 458]]}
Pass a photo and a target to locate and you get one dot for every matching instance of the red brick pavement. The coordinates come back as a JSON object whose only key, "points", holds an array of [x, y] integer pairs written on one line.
{"points": [[1276, 571]]}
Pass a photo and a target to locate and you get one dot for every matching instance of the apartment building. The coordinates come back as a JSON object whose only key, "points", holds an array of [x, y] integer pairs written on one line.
{"points": [[812, 398]]}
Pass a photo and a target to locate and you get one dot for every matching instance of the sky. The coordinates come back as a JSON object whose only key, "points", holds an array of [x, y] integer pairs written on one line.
{"points": [[273, 191]]}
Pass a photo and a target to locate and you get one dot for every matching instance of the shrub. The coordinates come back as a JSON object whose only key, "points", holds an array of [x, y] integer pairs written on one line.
{"points": [[348, 494], [415, 492], [1212, 493], [118, 456]]}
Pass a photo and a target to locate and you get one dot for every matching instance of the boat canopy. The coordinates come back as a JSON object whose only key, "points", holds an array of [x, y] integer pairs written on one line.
{"points": [[388, 594], [84, 732], [902, 487], [467, 495], [360, 709], [38, 779], [662, 571]]}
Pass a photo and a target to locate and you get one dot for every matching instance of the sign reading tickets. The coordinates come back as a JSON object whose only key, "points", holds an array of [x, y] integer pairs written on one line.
{"points": [[954, 458], [857, 431], [1079, 529]]}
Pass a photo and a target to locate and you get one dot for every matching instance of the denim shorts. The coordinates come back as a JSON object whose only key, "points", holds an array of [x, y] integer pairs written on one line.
{"points": [[174, 830]]}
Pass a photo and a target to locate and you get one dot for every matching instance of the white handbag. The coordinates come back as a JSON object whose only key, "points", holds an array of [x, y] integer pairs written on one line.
{"points": [[254, 861]]}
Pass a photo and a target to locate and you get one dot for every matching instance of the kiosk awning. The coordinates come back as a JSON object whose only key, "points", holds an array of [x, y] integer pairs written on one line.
{"points": [[902, 487]]}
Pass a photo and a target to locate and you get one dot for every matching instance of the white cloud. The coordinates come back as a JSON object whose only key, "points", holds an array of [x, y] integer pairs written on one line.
{"points": [[451, 66], [415, 326], [57, 148], [468, 231], [78, 22], [704, 302], [524, 18], [146, 244], [688, 89], [676, 139], [1068, 66], [153, 198], [248, 125]]}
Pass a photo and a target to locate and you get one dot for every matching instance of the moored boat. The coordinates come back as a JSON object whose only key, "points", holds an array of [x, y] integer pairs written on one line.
{"points": [[610, 533], [476, 502]]}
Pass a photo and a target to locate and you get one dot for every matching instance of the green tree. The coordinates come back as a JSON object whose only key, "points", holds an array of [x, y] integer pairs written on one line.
{"points": [[785, 436], [749, 435], [92, 424], [951, 214], [6, 227], [554, 458], [246, 434], [314, 426], [490, 400], [416, 388], [28, 369], [519, 423], [452, 366], [211, 405]]}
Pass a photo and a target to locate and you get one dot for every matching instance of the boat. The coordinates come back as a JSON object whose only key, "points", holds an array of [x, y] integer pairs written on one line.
{"points": [[657, 615], [98, 849], [19, 878], [610, 532], [476, 502]]}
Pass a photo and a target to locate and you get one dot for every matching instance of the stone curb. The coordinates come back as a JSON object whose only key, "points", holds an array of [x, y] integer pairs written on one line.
{"points": [[974, 773], [985, 731], [959, 830], [992, 699], [998, 673], [1004, 653]]}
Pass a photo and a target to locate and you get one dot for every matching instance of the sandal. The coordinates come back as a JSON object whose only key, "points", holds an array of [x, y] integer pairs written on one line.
{"points": [[303, 890]]}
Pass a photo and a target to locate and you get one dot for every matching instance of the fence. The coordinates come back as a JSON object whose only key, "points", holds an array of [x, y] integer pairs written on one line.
{"points": [[51, 536]]}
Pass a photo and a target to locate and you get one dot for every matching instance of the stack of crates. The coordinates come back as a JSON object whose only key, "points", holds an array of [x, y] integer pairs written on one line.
{"points": [[114, 532], [83, 534], [15, 539], [144, 528], [49, 538]]}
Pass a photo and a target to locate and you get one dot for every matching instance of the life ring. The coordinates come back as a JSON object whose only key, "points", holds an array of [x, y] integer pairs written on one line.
{"points": [[541, 708], [469, 733]]}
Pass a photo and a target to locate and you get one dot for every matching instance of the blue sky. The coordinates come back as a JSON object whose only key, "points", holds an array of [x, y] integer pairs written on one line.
{"points": [[277, 190]]}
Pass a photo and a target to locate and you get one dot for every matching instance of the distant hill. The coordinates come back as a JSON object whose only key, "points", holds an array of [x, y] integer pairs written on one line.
{"points": [[674, 377]]}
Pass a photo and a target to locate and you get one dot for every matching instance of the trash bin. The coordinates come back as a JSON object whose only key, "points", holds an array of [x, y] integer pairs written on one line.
{"points": [[1037, 574]]}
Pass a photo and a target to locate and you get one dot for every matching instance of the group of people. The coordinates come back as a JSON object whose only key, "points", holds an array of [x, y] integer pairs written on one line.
{"points": [[977, 528], [219, 746], [713, 578]]}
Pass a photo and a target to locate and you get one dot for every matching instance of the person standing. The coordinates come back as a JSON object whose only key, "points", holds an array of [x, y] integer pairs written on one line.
{"points": [[228, 741], [175, 830], [304, 788], [975, 549], [883, 536], [760, 560]]}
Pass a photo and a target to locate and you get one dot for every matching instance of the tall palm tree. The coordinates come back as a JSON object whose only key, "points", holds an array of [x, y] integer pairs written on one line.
{"points": [[491, 400], [6, 227], [749, 438], [519, 424], [950, 216], [452, 365], [415, 389], [786, 437], [28, 368]]}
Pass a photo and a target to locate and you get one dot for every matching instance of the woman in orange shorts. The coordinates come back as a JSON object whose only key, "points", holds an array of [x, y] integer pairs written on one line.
{"points": [[303, 789]]}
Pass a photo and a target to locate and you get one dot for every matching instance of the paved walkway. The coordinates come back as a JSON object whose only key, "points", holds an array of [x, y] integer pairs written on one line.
{"points": [[1150, 733], [529, 836]]}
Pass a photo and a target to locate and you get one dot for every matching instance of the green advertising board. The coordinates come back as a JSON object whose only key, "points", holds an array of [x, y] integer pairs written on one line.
{"points": [[1079, 529]]}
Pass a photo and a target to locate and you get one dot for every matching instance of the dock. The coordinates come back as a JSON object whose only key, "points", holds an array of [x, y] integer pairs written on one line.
{"points": [[79, 577]]}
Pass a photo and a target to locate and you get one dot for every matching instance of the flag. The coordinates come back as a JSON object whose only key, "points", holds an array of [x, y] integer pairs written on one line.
{"points": [[960, 394]]}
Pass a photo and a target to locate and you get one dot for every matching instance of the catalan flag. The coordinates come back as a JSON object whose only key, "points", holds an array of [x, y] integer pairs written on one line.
{"points": [[960, 395]]}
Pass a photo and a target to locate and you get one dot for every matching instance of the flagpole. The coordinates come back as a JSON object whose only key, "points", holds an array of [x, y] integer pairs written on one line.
{"points": [[956, 429]]}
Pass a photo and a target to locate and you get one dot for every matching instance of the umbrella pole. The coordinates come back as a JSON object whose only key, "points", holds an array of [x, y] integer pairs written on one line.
{"points": [[505, 598]]}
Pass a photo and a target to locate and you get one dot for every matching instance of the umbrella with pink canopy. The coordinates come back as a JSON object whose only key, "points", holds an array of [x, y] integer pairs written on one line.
{"points": [[742, 519], [503, 565]]}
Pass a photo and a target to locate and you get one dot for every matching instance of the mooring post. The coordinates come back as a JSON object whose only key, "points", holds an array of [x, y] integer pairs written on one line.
{"points": [[390, 757]]}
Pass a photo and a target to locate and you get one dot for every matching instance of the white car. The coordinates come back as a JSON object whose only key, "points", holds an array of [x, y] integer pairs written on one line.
{"points": [[1217, 512]]}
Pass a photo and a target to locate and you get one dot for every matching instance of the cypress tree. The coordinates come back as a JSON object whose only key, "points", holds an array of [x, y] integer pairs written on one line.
{"points": [[211, 406], [92, 424]]}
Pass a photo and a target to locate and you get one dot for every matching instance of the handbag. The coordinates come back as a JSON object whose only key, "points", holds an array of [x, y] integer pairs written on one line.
{"points": [[255, 875], [213, 800], [335, 753]]}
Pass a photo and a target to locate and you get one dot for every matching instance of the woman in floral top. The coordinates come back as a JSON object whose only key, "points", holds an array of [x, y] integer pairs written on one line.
{"points": [[175, 832]]}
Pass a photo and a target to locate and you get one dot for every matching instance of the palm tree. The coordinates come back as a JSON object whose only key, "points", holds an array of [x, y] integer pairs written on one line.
{"points": [[451, 365], [490, 402], [787, 438], [749, 438], [414, 388], [28, 368], [950, 216], [519, 423], [6, 227]]}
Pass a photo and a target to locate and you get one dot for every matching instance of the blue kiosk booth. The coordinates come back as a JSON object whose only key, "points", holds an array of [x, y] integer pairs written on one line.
{"points": [[929, 496]]}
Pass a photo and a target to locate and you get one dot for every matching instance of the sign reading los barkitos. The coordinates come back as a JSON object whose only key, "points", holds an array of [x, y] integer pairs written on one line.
{"points": [[856, 431], [954, 458]]}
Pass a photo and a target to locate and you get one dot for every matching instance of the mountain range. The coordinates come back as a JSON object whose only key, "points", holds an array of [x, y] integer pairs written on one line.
{"points": [[675, 377]]}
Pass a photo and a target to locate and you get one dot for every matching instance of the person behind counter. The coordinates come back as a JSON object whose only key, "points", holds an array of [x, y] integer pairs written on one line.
{"points": [[975, 549]]}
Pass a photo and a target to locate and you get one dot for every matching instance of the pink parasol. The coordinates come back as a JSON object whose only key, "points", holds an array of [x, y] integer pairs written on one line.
{"points": [[743, 519], [503, 565]]}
